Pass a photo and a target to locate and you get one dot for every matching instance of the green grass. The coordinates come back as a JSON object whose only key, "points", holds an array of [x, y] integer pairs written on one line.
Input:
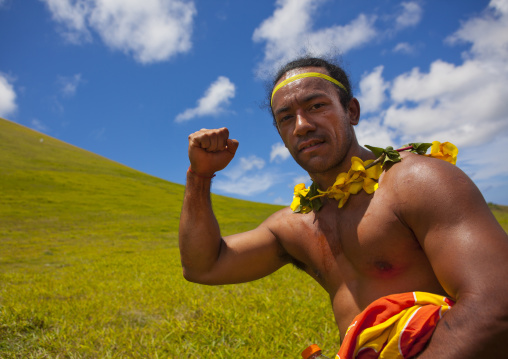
{"points": [[90, 268], [501, 214]]}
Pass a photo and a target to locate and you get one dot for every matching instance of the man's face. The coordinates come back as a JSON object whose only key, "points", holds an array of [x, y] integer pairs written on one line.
{"points": [[311, 121]]}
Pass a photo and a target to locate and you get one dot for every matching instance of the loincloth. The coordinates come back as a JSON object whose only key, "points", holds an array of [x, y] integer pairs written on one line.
{"points": [[395, 326]]}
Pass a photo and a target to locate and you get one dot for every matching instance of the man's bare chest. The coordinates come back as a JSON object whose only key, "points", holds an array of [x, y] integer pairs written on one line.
{"points": [[361, 240]]}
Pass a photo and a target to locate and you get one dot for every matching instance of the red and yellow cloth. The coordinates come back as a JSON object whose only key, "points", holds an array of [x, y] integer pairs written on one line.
{"points": [[393, 327]]}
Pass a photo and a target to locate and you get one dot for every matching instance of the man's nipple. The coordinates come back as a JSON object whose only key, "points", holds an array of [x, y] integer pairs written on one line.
{"points": [[383, 266]]}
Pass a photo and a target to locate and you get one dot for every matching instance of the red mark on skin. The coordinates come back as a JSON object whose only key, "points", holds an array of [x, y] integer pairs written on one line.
{"points": [[324, 249], [329, 249], [383, 266]]}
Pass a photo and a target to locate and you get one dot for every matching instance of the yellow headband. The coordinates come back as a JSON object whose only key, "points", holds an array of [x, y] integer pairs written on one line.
{"points": [[301, 76]]}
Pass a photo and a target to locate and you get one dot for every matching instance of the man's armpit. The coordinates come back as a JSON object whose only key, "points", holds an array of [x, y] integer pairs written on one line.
{"points": [[286, 257]]}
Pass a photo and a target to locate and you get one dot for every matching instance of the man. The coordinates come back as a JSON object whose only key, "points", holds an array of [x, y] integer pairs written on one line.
{"points": [[425, 229]]}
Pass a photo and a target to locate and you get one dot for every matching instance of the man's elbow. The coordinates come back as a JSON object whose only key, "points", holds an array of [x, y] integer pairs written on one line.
{"points": [[496, 330], [491, 313], [196, 277], [502, 316], [190, 276]]}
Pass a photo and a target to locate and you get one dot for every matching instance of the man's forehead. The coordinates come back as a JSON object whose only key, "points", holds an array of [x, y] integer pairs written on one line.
{"points": [[300, 70], [313, 84]]}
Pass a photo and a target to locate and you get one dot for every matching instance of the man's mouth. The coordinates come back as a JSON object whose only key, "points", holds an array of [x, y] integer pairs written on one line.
{"points": [[309, 144]]}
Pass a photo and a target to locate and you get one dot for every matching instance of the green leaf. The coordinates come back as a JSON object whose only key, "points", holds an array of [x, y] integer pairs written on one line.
{"points": [[313, 190], [391, 156], [420, 147], [377, 151], [305, 201], [316, 204]]}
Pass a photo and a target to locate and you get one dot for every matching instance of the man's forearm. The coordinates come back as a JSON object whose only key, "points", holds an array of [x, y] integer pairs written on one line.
{"points": [[199, 233], [473, 328]]}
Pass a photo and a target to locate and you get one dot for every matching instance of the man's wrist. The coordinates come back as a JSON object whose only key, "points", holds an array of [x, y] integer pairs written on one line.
{"points": [[199, 175]]}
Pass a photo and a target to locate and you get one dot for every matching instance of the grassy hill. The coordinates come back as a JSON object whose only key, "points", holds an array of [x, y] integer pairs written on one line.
{"points": [[501, 214], [89, 267]]}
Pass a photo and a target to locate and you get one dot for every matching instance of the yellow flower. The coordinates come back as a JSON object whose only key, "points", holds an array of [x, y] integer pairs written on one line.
{"points": [[373, 172], [444, 151], [358, 168], [356, 165], [353, 181], [370, 186], [358, 178], [299, 192], [344, 199], [300, 189]]}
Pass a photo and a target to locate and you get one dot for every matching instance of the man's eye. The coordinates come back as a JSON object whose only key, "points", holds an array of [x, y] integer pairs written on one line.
{"points": [[316, 106], [285, 118]]}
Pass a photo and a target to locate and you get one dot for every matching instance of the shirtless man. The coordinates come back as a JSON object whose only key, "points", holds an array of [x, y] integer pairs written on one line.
{"points": [[427, 228]]}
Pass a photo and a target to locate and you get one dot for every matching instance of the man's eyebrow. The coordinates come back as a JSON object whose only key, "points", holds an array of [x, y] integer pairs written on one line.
{"points": [[307, 98], [313, 96], [280, 110]]}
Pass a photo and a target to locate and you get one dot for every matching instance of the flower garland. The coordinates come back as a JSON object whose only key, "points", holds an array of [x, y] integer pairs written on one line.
{"points": [[365, 174]]}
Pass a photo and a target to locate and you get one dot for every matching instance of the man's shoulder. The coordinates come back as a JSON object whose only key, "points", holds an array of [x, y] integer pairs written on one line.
{"points": [[287, 216], [285, 220], [418, 168], [422, 179]]}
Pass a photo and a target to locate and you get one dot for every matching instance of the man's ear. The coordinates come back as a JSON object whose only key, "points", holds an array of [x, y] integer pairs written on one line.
{"points": [[353, 111]]}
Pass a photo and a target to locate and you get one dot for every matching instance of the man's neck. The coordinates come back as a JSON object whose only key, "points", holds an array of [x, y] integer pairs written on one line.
{"points": [[325, 179]]}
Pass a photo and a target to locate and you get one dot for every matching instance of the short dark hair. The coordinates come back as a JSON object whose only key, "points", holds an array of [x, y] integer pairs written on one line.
{"points": [[332, 67]]}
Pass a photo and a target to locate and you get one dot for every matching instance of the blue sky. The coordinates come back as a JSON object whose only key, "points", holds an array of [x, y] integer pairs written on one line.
{"points": [[130, 80]]}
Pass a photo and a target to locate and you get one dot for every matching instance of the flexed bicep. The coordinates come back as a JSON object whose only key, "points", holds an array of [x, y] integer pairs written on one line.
{"points": [[245, 257]]}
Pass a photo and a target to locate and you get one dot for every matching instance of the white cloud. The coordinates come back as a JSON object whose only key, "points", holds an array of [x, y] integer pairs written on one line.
{"points": [[69, 85], [347, 37], [371, 131], [244, 165], [410, 16], [488, 168], [246, 178], [485, 162], [465, 104], [38, 125], [56, 105], [7, 97], [212, 103], [486, 33], [404, 48], [279, 151], [372, 89], [150, 30], [282, 201], [73, 18], [247, 185], [462, 103], [302, 179], [288, 32]]}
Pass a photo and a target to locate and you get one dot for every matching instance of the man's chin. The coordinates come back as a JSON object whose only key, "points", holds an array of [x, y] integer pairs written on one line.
{"points": [[315, 165]]}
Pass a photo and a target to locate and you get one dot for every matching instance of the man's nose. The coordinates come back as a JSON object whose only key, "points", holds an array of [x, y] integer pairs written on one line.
{"points": [[303, 125]]}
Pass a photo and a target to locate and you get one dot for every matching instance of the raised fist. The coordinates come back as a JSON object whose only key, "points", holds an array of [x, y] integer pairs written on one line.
{"points": [[211, 151]]}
